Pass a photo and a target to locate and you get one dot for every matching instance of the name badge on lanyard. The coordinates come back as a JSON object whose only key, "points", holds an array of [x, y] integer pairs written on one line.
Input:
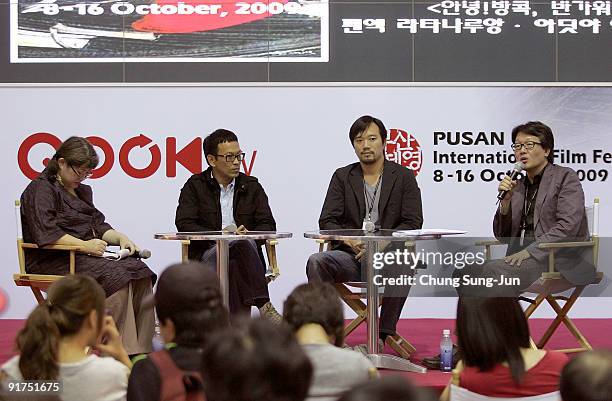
{"points": [[368, 226]]}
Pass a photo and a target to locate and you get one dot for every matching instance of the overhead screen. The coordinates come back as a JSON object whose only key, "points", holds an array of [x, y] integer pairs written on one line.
{"points": [[305, 41]]}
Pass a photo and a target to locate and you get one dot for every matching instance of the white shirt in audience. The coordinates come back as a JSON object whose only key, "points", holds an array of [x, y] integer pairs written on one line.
{"points": [[335, 370], [92, 379]]}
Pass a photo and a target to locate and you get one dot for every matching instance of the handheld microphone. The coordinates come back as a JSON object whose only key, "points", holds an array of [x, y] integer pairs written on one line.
{"points": [[518, 167]]}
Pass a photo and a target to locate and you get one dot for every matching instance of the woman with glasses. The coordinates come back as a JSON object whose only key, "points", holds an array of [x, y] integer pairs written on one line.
{"points": [[57, 208]]}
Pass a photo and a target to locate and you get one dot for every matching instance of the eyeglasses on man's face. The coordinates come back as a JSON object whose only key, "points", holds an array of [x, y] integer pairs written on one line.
{"points": [[528, 145], [82, 174], [230, 157]]}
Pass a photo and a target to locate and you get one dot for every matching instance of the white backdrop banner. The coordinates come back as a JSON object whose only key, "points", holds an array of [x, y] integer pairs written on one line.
{"points": [[149, 142]]}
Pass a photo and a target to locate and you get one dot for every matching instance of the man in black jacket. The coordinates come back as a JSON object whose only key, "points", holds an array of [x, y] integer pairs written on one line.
{"points": [[220, 198], [376, 192]]}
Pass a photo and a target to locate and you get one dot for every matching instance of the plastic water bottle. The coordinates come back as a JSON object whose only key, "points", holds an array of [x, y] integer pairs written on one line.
{"points": [[446, 352]]}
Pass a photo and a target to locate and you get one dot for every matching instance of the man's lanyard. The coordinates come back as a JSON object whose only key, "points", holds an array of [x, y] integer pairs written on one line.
{"points": [[526, 209], [369, 226], [370, 201]]}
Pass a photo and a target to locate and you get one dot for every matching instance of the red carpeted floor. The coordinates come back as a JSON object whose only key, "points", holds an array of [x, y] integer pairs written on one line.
{"points": [[424, 334]]}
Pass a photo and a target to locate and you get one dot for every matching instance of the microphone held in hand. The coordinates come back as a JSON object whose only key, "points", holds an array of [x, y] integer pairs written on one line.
{"points": [[518, 167]]}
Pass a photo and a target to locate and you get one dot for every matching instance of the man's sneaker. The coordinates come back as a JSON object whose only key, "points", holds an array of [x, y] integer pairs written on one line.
{"points": [[269, 312], [363, 348]]}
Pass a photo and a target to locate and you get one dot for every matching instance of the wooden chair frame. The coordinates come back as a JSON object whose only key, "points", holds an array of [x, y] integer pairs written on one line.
{"points": [[553, 282], [273, 271], [38, 282], [354, 301]]}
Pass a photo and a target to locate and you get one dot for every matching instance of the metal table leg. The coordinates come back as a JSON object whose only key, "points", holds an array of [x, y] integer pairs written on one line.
{"points": [[380, 360], [222, 269], [372, 298]]}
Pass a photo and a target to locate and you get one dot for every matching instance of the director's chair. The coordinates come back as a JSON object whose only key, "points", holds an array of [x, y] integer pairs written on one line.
{"points": [[272, 269], [37, 282], [551, 284]]}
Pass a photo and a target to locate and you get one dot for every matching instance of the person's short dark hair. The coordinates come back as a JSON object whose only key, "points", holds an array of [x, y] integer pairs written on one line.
{"points": [[255, 360], [189, 295], [540, 130], [362, 124], [588, 377], [490, 331], [316, 303], [212, 141], [385, 389]]}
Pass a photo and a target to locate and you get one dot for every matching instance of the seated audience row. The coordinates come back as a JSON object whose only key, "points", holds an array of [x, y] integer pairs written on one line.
{"points": [[205, 358]]}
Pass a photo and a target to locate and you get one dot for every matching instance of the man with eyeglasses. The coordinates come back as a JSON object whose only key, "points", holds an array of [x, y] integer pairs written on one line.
{"points": [[547, 205], [223, 198]]}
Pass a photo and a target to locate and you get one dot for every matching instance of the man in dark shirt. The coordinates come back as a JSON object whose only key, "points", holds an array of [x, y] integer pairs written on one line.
{"points": [[190, 309], [223, 198]]}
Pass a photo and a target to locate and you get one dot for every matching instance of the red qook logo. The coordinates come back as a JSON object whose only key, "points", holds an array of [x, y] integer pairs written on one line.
{"points": [[403, 148], [190, 156]]}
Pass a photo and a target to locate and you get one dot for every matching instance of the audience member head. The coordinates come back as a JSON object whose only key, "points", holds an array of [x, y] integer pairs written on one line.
{"points": [[316, 303], [255, 360], [189, 304], [492, 331], [588, 377], [74, 306], [73, 161], [385, 389]]}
